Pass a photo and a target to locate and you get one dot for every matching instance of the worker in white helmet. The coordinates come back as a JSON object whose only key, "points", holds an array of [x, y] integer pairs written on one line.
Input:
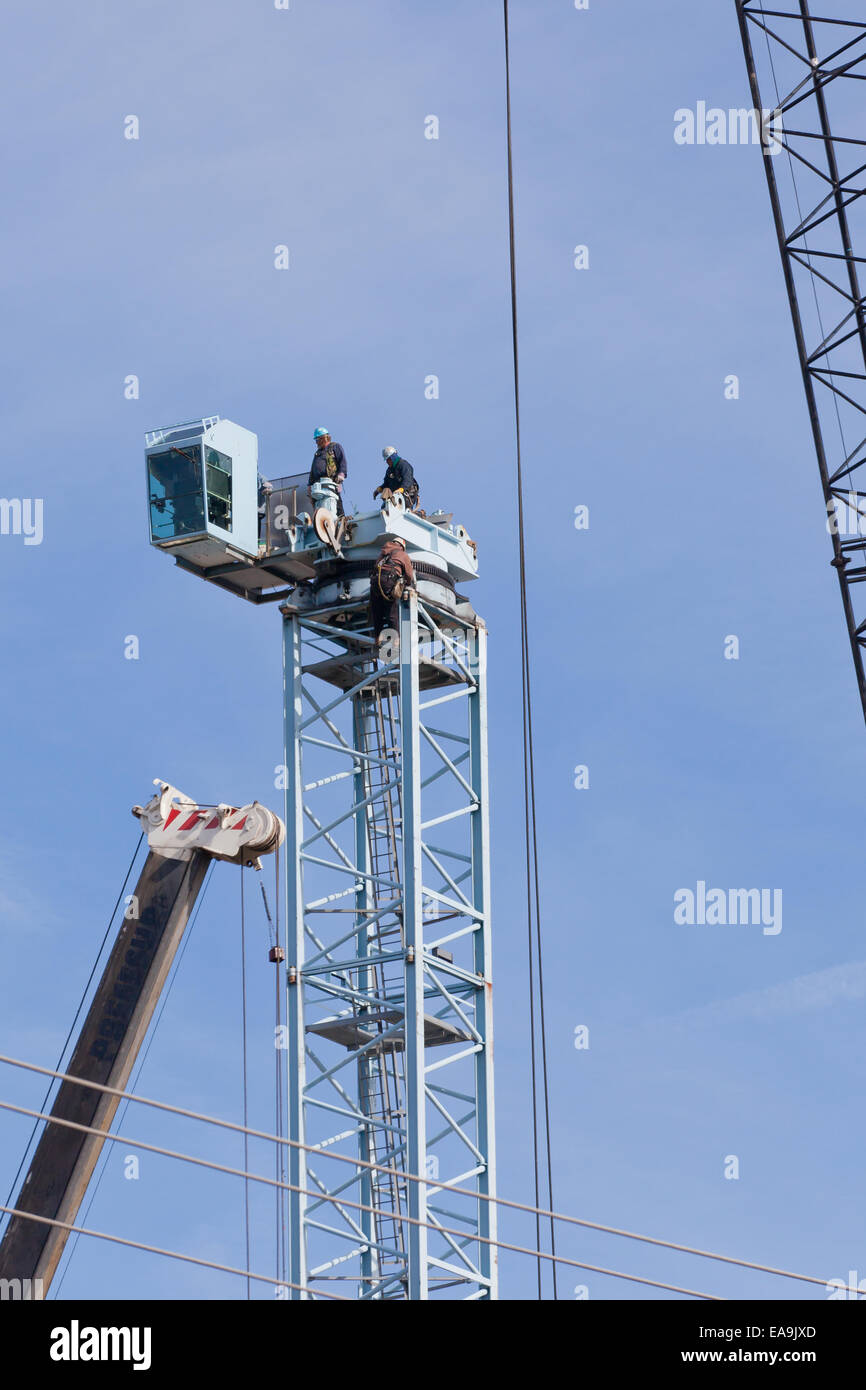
{"points": [[399, 478]]}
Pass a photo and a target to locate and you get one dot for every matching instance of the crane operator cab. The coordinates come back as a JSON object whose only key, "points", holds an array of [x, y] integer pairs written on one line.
{"points": [[202, 483]]}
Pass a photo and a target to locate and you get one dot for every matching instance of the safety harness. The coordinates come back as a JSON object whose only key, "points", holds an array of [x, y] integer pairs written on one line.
{"points": [[389, 578]]}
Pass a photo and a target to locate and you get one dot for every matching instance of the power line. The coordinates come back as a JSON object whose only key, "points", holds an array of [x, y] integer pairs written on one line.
{"points": [[170, 1254], [436, 1184], [342, 1201]]}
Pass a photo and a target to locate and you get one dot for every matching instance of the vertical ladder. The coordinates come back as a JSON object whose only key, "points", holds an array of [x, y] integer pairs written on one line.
{"points": [[381, 1083]]}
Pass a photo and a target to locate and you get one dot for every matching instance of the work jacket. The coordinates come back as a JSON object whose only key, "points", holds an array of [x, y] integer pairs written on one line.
{"points": [[399, 474], [396, 555], [328, 463]]}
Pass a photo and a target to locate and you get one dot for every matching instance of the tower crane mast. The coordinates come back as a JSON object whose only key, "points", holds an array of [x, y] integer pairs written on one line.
{"points": [[389, 1041]]}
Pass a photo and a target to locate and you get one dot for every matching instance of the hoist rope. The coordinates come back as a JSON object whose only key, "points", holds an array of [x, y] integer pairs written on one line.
{"points": [[283, 1200], [535, 964], [245, 1078], [281, 1213]]}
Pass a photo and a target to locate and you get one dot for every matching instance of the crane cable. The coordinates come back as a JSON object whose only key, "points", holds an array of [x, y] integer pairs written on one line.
{"points": [[279, 1093], [530, 821], [359, 1163], [245, 1079], [277, 956]]}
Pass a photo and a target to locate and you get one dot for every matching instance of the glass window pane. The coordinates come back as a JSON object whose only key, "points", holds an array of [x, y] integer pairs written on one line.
{"points": [[219, 488], [175, 485]]}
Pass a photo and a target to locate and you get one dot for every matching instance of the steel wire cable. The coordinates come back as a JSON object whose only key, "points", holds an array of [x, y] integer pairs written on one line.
{"points": [[245, 1074], [530, 821], [437, 1184], [338, 1201], [170, 1254]]}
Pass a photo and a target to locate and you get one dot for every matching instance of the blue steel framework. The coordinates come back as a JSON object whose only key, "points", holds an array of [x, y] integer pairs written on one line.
{"points": [[388, 954]]}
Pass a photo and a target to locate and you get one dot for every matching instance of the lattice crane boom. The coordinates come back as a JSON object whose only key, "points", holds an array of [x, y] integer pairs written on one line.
{"points": [[814, 66]]}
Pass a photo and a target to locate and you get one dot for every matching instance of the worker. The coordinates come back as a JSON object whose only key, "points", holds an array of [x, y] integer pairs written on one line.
{"points": [[329, 461], [399, 477], [265, 490], [392, 578]]}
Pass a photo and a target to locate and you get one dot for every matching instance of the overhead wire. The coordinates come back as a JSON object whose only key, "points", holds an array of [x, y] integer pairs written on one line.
{"points": [[159, 1250], [340, 1201], [533, 895], [437, 1184]]}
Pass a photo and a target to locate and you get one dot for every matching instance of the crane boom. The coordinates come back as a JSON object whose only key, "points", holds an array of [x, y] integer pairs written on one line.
{"points": [[815, 66], [183, 839]]}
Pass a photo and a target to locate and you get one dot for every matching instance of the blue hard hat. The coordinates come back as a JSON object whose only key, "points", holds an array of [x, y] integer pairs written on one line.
{"points": [[320, 432]]}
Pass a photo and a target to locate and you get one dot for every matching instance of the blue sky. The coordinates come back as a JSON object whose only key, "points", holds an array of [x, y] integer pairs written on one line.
{"points": [[155, 257]]}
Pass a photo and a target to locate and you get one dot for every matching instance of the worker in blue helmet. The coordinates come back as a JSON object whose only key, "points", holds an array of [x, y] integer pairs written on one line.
{"points": [[329, 461], [399, 478]]}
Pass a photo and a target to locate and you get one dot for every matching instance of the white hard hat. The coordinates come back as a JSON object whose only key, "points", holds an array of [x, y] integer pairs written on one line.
{"points": [[388, 452]]}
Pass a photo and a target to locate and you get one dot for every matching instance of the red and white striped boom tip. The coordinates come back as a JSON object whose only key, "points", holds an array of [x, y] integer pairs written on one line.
{"points": [[175, 826]]}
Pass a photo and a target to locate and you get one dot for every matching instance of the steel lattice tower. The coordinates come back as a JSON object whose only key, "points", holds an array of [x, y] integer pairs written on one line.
{"points": [[387, 883], [388, 954], [816, 174]]}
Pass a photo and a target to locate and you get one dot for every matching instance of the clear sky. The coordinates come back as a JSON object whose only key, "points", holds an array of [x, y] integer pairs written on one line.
{"points": [[155, 257]]}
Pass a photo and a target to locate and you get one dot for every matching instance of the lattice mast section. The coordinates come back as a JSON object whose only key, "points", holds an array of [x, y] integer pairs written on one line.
{"points": [[388, 956]]}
